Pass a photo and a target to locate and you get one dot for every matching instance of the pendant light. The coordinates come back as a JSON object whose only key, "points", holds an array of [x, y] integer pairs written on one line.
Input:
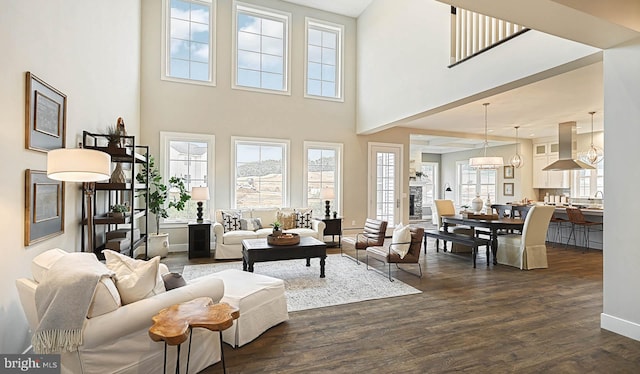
{"points": [[595, 154], [517, 161], [485, 162]]}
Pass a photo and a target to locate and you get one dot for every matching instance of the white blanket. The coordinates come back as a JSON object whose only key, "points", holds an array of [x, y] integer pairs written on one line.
{"points": [[63, 299]]}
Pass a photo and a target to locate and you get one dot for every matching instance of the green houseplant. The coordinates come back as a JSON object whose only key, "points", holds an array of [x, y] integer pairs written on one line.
{"points": [[162, 197]]}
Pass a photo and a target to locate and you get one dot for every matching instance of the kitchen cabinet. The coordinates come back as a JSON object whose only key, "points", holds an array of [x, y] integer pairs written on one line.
{"points": [[543, 155]]}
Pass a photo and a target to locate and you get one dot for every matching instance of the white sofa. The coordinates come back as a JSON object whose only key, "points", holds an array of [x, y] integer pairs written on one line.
{"points": [[228, 243], [115, 337]]}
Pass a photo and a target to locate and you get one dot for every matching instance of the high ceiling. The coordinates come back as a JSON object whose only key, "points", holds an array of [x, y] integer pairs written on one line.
{"points": [[538, 107], [351, 8]]}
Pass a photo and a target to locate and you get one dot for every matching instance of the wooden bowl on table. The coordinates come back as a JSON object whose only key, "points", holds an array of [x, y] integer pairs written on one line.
{"points": [[283, 239]]}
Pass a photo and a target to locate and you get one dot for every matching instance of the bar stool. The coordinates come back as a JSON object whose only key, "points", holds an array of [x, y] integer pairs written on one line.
{"points": [[576, 218], [555, 235]]}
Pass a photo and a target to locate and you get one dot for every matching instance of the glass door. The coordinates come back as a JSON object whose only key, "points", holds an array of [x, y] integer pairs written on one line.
{"points": [[384, 190]]}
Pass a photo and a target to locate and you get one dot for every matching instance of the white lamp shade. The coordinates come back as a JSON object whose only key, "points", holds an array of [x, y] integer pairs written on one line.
{"points": [[486, 162], [200, 193], [327, 193], [78, 165]]}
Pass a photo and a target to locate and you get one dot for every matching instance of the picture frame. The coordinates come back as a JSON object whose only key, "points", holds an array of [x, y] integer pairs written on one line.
{"points": [[508, 189], [45, 115], [509, 172], [44, 207]]}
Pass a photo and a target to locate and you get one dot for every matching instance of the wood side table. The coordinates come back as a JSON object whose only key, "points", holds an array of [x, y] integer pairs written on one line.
{"points": [[174, 324], [199, 239], [333, 227]]}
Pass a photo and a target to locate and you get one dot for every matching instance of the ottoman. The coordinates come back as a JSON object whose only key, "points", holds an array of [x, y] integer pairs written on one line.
{"points": [[261, 301]]}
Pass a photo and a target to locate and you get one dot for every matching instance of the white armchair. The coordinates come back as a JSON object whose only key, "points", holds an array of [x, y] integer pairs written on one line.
{"points": [[115, 337], [529, 250]]}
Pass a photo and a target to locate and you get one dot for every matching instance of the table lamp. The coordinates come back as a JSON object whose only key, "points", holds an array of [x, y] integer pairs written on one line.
{"points": [[200, 194], [327, 194], [80, 165]]}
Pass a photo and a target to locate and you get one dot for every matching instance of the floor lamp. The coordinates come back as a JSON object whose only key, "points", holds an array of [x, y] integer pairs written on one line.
{"points": [[80, 165], [447, 188]]}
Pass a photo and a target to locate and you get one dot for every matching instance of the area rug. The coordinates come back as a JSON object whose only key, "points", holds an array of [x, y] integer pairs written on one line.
{"points": [[345, 281]]}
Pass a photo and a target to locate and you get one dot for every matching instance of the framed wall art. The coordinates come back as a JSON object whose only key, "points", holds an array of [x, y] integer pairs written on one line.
{"points": [[46, 115], [508, 189], [508, 172], [43, 208]]}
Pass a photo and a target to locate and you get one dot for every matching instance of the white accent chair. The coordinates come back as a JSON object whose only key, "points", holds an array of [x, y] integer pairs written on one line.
{"points": [[446, 207], [116, 337], [527, 251]]}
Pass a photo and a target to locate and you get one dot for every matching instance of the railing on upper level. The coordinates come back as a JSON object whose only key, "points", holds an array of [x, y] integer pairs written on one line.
{"points": [[473, 33]]}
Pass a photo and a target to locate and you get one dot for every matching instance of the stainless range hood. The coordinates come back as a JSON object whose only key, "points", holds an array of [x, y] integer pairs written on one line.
{"points": [[566, 161]]}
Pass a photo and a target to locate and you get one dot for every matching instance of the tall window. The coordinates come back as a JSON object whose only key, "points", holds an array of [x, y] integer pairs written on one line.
{"points": [[324, 59], [189, 46], [323, 171], [472, 182], [588, 182], [261, 48], [261, 169], [189, 157]]}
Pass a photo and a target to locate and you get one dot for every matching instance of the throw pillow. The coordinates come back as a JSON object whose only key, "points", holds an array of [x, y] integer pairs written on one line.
{"points": [[173, 280], [135, 279], [231, 220], [304, 218], [287, 220], [402, 236], [251, 224]]}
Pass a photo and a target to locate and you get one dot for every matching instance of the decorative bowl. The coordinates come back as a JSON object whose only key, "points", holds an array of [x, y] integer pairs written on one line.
{"points": [[283, 239]]}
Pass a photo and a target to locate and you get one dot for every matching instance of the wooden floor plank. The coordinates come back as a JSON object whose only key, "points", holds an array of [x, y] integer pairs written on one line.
{"points": [[496, 319]]}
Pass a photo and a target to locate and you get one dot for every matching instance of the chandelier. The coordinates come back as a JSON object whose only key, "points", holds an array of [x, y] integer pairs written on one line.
{"points": [[517, 161], [485, 162], [595, 154]]}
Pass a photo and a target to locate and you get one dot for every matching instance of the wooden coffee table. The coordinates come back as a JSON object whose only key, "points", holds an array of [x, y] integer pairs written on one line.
{"points": [[257, 250]]}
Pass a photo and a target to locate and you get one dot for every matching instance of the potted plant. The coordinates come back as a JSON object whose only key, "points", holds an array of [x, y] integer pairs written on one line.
{"points": [[118, 210], [277, 228], [113, 137], [160, 200]]}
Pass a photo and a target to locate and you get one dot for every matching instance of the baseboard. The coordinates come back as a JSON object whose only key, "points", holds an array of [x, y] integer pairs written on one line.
{"points": [[620, 326]]}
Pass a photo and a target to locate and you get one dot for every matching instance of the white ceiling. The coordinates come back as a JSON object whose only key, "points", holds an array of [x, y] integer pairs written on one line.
{"points": [[351, 8], [537, 108]]}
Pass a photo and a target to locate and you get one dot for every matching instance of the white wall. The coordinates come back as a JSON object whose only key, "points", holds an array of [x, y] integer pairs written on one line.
{"points": [[522, 176], [403, 54], [225, 112], [621, 312], [90, 52]]}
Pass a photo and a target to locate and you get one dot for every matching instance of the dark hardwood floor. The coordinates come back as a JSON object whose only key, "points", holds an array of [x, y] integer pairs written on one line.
{"points": [[498, 319]]}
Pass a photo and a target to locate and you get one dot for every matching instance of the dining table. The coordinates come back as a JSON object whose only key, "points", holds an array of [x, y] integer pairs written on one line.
{"points": [[494, 225]]}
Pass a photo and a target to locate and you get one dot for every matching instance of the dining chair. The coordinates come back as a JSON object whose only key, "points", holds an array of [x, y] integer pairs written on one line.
{"points": [[576, 218], [446, 207], [503, 211], [529, 250]]}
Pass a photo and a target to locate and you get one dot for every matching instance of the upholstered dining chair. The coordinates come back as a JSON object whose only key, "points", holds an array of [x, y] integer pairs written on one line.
{"points": [[372, 235], [446, 207], [527, 251], [386, 254]]}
